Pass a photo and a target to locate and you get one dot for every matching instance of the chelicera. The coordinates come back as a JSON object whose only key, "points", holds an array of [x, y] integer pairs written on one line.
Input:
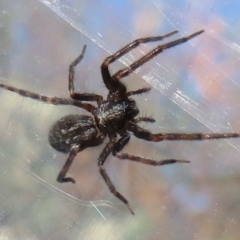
{"points": [[114, 117]]}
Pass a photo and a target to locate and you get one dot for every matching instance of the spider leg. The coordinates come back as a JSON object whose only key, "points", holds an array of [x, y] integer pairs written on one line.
{"points": [[110, 84], [139, 91], [144, 119], [157, 137], [121, 143], [148, 161], [51, 100], [106, 151], [61, 177], [80, 96], [126, 71]]}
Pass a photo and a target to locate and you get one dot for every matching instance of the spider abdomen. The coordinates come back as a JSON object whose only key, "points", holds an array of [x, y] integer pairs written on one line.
{"points": [[72, 130]]}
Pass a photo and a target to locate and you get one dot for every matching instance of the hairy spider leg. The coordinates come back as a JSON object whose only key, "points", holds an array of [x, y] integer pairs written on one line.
{"points": [[115, 147], [61, 177], [122, 142], [105, 153], [157, 137], [126, 71], [144, 119], [80, 96], [51, 100], [139, 91], [109, 82]]}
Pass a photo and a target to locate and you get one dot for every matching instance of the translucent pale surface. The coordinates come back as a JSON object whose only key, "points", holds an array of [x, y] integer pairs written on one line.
{"points": [[195, 88]]}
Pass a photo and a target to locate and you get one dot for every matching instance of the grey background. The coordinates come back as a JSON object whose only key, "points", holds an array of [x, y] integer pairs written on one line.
{"points": [[195, 89]]}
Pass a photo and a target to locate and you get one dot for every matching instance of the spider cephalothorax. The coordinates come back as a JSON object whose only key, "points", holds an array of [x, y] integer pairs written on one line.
{"points": [[114, 117], [111, 117]]}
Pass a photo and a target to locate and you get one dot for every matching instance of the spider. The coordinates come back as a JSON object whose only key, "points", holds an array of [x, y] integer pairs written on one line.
{"points": [[114, 117]]}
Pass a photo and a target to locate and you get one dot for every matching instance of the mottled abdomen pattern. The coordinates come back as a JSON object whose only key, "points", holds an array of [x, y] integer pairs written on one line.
{"points": [[72, 130]]}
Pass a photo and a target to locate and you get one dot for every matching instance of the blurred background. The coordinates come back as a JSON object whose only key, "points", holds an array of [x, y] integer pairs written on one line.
{"points": [[195, 88]]}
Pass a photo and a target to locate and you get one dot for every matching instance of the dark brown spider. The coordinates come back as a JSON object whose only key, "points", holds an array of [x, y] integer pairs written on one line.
{"points": [[114, 117]]}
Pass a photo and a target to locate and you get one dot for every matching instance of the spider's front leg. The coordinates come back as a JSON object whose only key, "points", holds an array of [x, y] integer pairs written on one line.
{"points": [[80, 96], [112, 84], [105, 153], [126, 71]]}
